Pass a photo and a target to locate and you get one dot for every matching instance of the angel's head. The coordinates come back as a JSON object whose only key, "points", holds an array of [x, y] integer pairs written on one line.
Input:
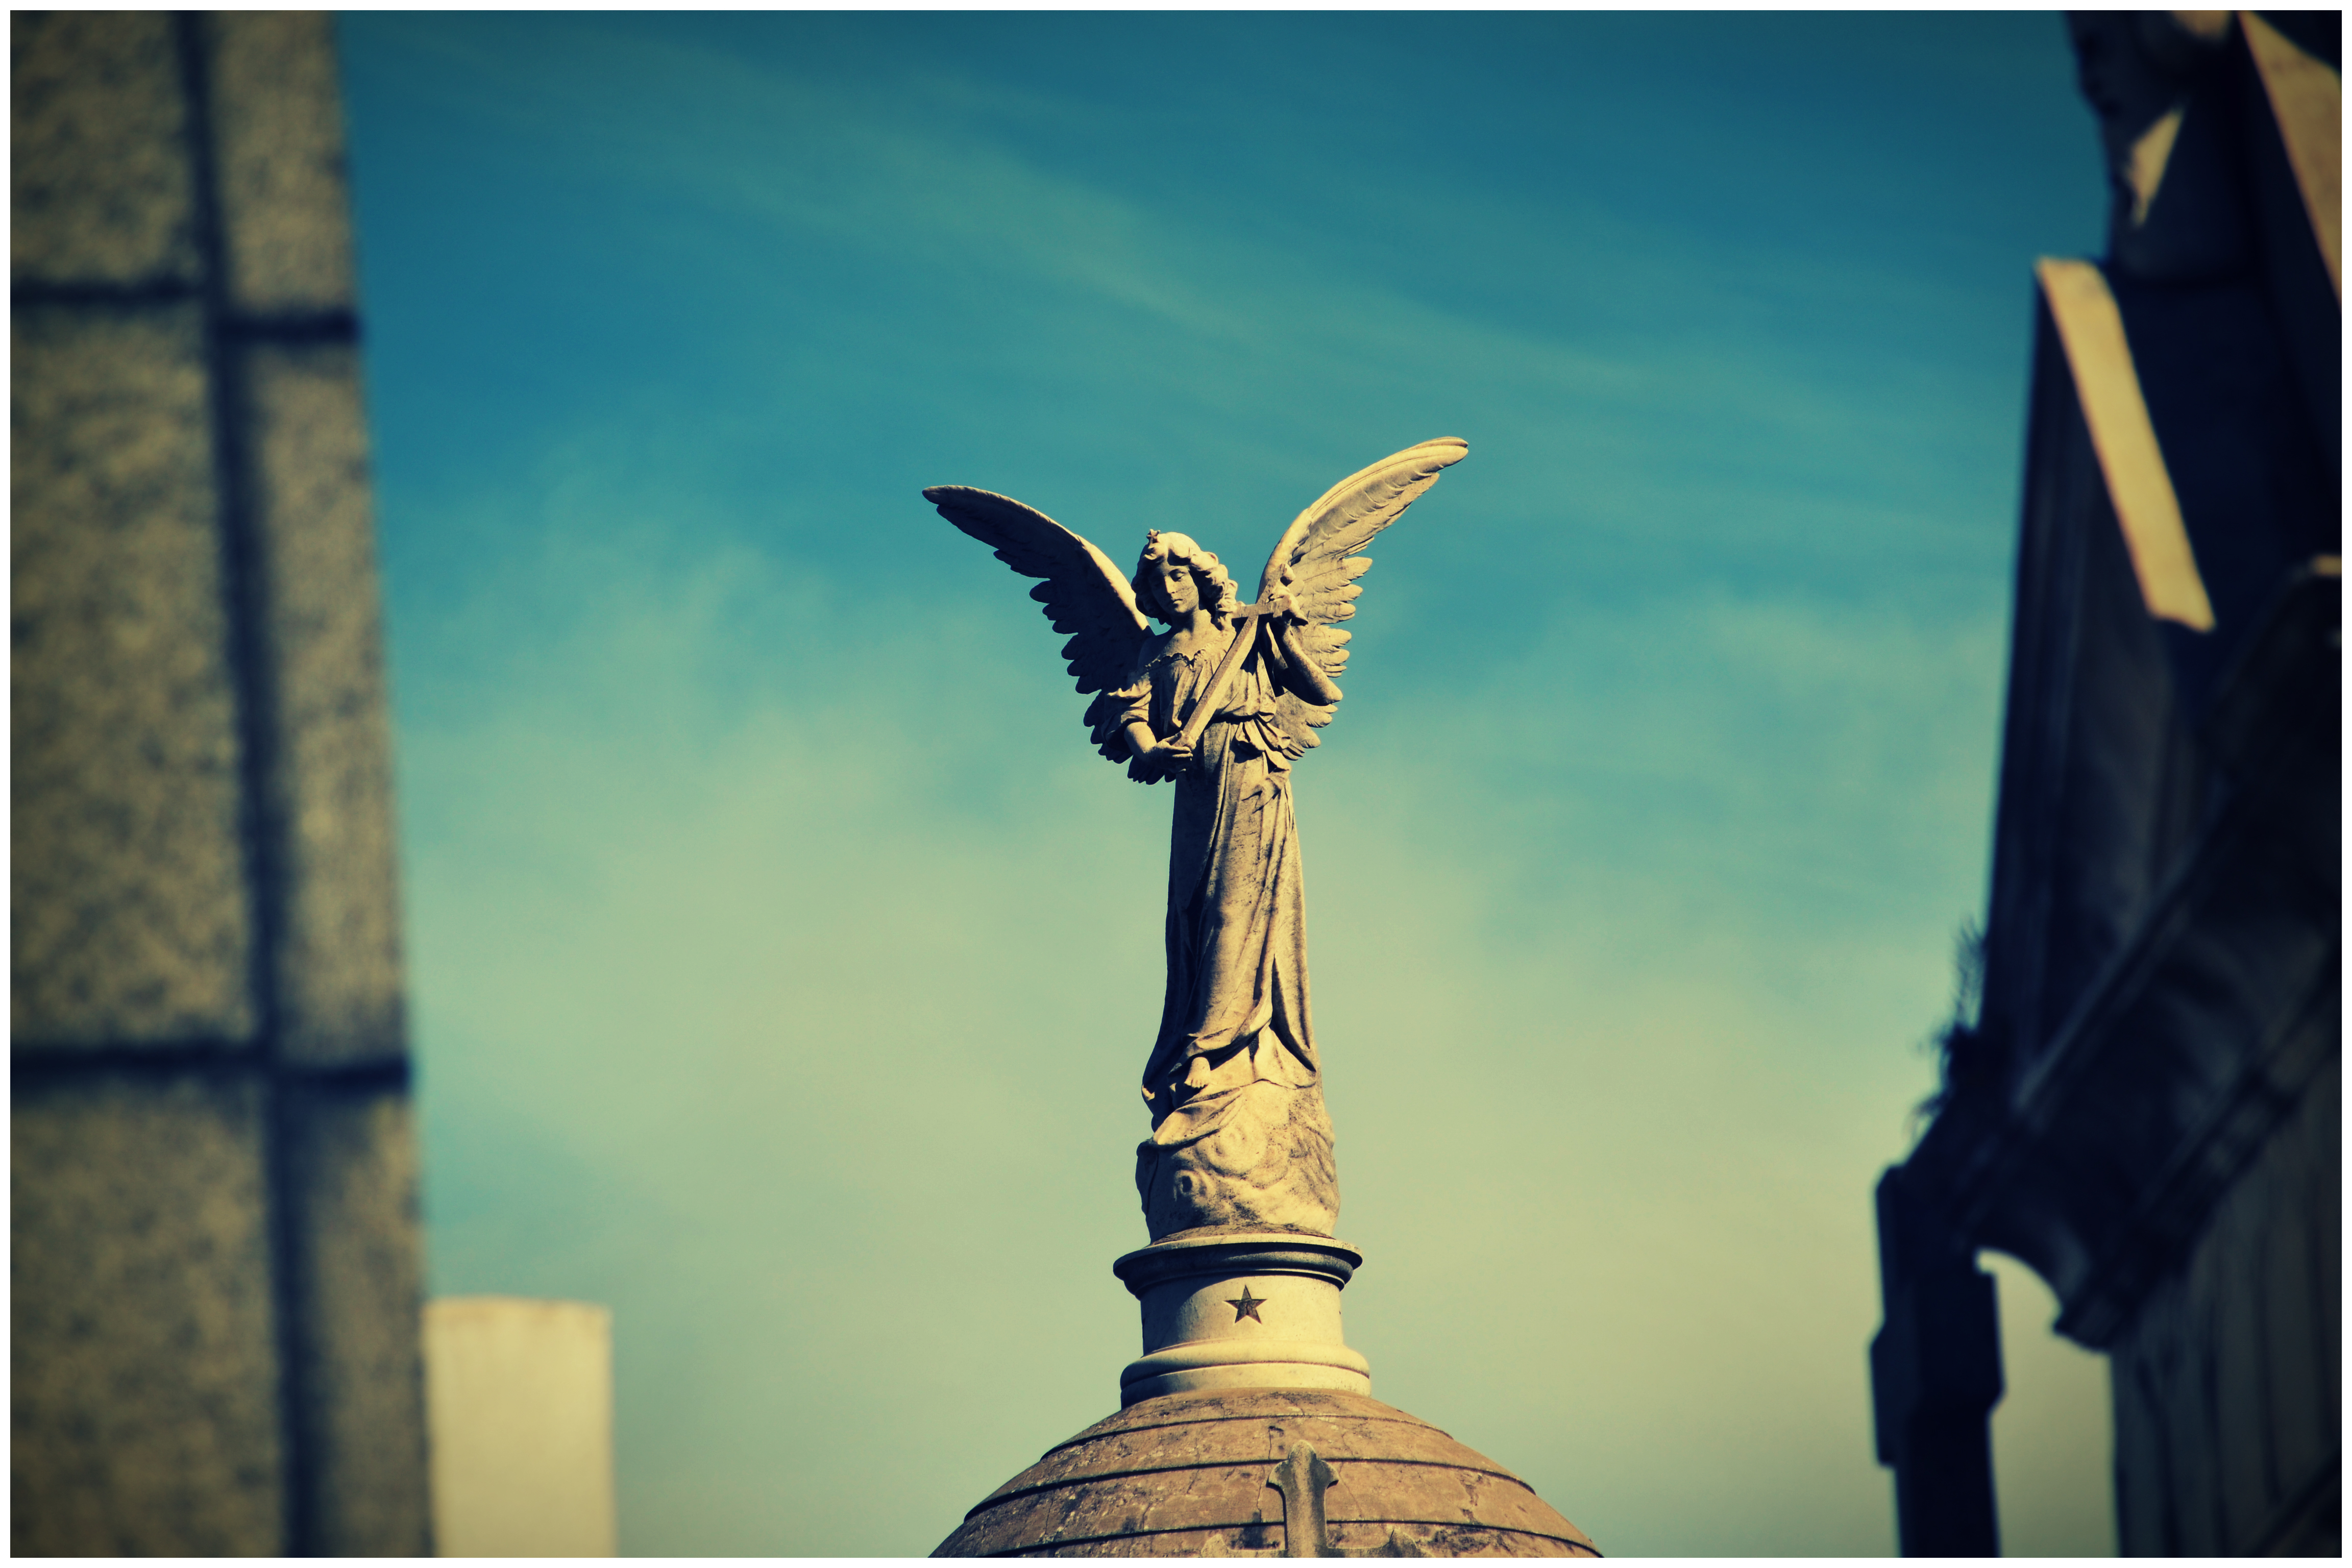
{"points": [[1176, 574]]}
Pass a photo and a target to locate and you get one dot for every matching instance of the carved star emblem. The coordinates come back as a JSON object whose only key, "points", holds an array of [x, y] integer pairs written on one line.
{"points": [[1246, 1307]]}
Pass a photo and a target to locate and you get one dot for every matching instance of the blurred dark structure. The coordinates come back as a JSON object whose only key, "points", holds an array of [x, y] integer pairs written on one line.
{"points": [[2146, 1107], [215, 1265]]}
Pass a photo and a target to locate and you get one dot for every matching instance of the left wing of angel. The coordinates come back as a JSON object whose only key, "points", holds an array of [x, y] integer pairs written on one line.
{"points": [[1316, 559], [1083, 593]]}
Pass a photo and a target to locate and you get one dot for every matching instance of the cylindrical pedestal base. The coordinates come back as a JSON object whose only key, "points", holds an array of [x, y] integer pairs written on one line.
{"points": [[1241, 1309]]}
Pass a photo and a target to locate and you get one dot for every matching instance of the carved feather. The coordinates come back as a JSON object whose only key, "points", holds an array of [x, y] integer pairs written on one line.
{"points": [[1316, 559], [1083, 593]]}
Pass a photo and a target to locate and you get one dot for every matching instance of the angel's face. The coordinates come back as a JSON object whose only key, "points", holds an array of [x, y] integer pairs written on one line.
{"points": [[1177, 585]]}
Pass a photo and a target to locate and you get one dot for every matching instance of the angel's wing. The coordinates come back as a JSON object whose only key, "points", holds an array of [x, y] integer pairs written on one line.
{"points": [[1083, 593], [1315, 559]]}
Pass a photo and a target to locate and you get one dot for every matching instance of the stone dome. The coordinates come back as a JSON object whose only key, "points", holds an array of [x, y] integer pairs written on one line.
{"points": [[1231, 1472]]}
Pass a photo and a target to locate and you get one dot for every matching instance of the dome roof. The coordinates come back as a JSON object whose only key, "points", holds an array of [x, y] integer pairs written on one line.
{"points": [[1217, 1473]]}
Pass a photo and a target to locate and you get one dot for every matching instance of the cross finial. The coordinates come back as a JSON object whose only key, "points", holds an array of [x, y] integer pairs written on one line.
{"points": [[1302, 1480]]}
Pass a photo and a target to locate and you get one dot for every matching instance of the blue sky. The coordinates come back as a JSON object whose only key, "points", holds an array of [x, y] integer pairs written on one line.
{"points": [[782, 957]]}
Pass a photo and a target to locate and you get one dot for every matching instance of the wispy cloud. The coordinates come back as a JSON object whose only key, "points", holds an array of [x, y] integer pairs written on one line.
{"points": [[918, 172]]}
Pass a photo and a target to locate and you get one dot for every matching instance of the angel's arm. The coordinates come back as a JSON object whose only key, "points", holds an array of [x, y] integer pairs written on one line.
{"points": [[1152, 751], [1299, 671]]}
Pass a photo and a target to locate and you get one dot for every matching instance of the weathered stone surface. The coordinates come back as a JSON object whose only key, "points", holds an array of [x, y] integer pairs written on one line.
{"points": [[217, 1271], [100, 186], [278, 129], [144, 1391], [352, 1181], [1162, 1477], [1348, 1539], [329, 773], [130, 920]]}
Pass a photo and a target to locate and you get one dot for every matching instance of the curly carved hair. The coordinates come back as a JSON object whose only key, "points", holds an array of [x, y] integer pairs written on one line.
{"points": [[1217, 590]]}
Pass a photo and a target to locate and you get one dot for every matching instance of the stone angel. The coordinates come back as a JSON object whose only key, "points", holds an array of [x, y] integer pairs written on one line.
{"points": [[1222, 703]]}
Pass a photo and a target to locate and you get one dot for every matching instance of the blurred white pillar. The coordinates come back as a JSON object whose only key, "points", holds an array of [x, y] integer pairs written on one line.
{"points": [[519, 1394]]}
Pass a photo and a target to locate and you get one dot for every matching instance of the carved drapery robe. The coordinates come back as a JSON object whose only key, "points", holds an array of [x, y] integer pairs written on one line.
{"points": [[1240, 1136]]}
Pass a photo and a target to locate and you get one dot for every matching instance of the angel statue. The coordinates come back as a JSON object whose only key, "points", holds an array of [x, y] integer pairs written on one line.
{"points": [[1223, 703]]}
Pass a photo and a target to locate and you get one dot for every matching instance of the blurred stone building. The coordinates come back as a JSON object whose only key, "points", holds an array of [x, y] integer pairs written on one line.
{"points": [[2145, 1101], [214, 1293]]}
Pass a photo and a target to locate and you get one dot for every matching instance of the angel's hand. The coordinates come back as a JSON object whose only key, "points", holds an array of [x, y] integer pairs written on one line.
{"points": [[1164, 757], [1300, 672], [1286, 603]]}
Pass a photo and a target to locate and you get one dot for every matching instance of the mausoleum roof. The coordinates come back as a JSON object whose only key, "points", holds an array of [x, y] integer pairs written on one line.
{"points": [[1210, 1474]]}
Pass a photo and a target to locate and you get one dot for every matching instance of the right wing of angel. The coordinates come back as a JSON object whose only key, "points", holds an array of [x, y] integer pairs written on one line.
{"points": [[1083, 593], [1316, 559]]}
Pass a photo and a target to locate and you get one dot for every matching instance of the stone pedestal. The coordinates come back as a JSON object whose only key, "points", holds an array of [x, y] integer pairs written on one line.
{"points": [[1225, 1310]]}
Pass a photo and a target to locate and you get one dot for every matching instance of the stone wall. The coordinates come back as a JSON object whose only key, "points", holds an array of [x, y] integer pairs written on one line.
{"points": [[215, 1265]]}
